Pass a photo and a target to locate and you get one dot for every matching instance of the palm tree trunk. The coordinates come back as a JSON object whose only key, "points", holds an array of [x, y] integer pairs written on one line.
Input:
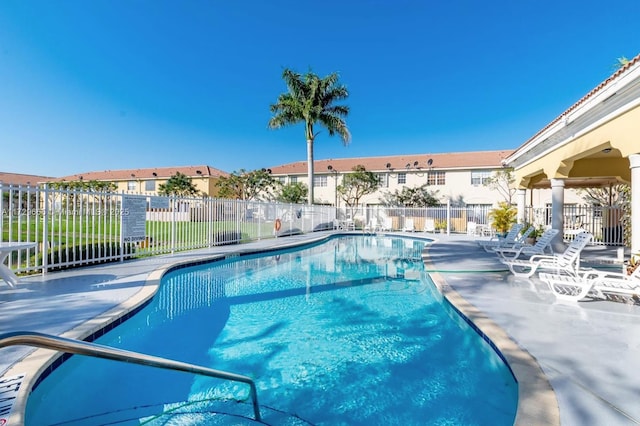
{"points": [[310, 169]]}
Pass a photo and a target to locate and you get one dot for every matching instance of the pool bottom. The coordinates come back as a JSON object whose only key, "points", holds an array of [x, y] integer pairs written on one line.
{"points": [[380, 352]]}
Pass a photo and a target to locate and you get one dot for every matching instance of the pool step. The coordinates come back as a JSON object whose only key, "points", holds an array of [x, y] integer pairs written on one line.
{"points": [[187, 413]]}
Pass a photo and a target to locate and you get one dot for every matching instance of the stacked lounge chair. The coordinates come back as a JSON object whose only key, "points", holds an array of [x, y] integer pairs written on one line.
{"points": [[508, 240], [593, 283], [542, 245], [567, 262]]}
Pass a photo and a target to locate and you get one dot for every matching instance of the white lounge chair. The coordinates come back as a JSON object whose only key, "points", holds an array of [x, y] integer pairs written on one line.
{"points": [[507, 241], [543, 243], [567, 262], [371, 226], [429, 225], [471, 228], [408, 226], [387, 224], [593, 282]]}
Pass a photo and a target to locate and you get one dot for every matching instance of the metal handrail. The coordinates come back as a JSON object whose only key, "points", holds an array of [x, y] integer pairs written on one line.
{"points": [[80, 347]]}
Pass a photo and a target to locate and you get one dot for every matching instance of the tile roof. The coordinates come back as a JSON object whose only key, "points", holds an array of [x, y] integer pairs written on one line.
{"points": [[21, 179], [151, 173], [398, 163]]}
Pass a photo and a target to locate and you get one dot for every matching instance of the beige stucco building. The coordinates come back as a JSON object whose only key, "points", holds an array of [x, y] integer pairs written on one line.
{"points": [[594, 143], [148, 181], [22, 179], [457, 177]]}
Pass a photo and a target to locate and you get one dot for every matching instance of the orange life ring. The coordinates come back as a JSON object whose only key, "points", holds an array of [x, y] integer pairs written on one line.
{"points": [[278, 224]]}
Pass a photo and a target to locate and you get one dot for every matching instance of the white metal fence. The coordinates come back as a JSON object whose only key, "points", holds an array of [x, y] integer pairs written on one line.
{"points": [[72, 228], [607, 224]]}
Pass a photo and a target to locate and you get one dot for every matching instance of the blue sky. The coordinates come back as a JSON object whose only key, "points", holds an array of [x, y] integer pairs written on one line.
{"points": [[111, 84]]}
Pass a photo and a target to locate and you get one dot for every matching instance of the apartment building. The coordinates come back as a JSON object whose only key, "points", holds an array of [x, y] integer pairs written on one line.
{"points": [[19, 179], [458, 177], [148, 181]]}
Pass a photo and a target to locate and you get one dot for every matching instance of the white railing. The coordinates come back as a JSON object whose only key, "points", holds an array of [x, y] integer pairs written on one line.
{"points": [[73, 228], [80, 347], [607, 224]]}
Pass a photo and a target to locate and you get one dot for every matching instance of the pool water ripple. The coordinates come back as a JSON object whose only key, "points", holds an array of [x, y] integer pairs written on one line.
{"points": [[348, 332]]}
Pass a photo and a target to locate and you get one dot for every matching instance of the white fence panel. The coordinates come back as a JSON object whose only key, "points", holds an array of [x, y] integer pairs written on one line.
{"points": [[74, 227]]}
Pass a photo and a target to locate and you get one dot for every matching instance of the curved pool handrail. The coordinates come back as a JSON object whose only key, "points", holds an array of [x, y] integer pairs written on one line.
{"points": [[79, 347]]}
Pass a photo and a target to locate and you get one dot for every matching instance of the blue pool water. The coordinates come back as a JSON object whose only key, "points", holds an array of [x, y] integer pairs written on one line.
{"points": [[347, 332]]}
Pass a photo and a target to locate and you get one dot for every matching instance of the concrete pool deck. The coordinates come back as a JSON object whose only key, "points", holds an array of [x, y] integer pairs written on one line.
{"points": [[589, 351]]}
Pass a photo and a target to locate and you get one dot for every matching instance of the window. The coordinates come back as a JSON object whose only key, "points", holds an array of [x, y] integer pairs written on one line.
{"points": [[131, 185], [435, 178], [150, 185], [282, 179], [383, 178], [402, 178], [480, 178], [293, 179], [319, 181]]}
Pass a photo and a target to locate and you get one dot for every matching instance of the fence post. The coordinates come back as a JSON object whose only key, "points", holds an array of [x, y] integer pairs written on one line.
{"points": [[448, 216], [45, 231], [210, 221], [173, 224]]}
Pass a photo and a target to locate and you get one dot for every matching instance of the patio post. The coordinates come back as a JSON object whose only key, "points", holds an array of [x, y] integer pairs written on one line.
{"points": [[557, 215], [634, 164], [521, 200]]}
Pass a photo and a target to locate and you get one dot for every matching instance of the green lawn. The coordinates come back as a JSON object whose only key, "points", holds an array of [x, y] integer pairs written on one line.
{"points": [[72, 231]]}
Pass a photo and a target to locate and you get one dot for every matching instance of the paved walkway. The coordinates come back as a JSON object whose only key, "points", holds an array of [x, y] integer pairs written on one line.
{"points": [[590, 351]]}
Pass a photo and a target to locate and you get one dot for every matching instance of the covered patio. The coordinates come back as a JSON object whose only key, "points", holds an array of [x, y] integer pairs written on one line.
{"points": [[593, 144]]}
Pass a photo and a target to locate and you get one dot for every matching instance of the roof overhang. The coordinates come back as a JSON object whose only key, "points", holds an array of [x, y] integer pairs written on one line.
{"points": [[589, 144]]}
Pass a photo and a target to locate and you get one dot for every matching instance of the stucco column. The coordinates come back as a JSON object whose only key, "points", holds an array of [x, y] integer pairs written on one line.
{"points": [[521, 200], [634, 164], [557, 216]]}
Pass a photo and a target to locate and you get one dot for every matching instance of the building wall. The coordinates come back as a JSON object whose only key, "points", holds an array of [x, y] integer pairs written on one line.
{"points": [[458, 185], [151, 186]]}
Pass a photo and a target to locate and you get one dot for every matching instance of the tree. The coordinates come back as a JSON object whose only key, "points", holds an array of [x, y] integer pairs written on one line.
{"points": [[605, 196], [419, 196], [179, 185], [244, 185], [620, 62], [81, 185], [356, 185], [101, 190], [503, 182], [230, 186], [310, 99], [293, 193]]}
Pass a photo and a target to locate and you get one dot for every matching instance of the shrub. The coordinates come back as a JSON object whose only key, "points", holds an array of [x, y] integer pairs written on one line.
{"points": [[503, 217]]}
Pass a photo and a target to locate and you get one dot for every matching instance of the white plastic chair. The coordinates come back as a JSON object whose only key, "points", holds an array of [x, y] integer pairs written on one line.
{"points": [[540, 247], [408, 226], [429, 225], [593, 282], [567, 262], [507, 241], [471, 228]]}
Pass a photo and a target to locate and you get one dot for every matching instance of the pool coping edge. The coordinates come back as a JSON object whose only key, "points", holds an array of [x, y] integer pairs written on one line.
{"points": [[537, 402]]}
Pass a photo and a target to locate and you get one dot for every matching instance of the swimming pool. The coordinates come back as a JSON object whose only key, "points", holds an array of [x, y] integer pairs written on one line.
{"points": [[350, 331]]}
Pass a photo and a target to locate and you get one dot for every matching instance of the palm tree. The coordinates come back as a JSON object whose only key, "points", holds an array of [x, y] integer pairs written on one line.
{"points": [[310, 99], [620, 62]]}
